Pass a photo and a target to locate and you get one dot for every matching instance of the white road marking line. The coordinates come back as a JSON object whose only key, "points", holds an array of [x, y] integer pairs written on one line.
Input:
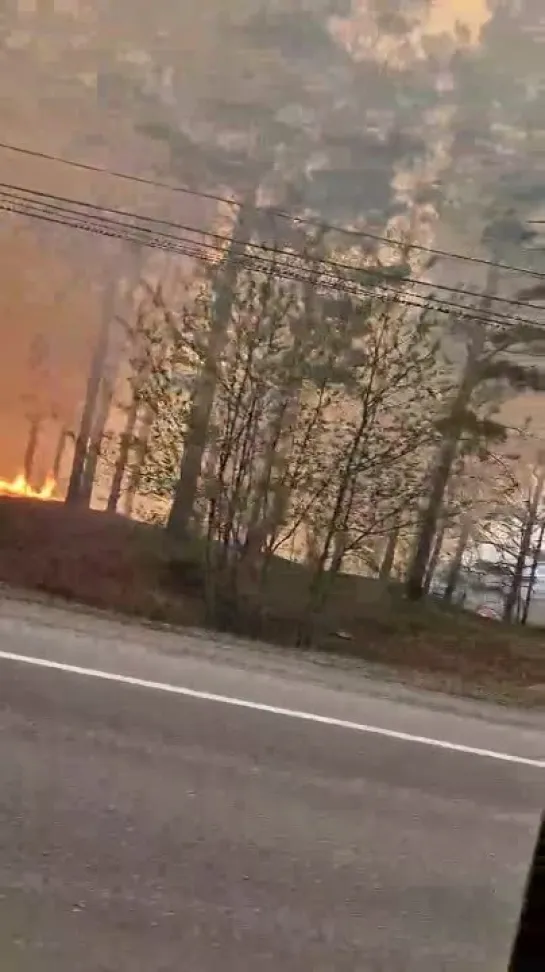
{"points": [[271, 709]]}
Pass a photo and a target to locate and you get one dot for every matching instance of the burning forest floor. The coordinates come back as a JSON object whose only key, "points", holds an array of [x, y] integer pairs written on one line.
{"points": [[107, 562]]}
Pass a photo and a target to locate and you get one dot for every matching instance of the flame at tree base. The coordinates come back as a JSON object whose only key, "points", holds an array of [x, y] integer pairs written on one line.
{"points": [[20, 487]]}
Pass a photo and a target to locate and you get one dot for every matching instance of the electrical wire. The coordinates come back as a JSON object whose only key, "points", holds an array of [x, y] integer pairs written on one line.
{"points": [[301, 220], [91, 211], [326, 280], [184, 246], [33, 194]]}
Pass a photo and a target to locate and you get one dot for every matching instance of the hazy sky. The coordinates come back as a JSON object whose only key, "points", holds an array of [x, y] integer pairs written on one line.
{"points": [[446, 13]]}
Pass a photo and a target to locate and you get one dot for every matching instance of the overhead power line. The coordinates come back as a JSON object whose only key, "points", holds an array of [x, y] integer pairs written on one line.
{"points": [[140, 236], [35, 194], [102, 217], [209, 253], [281, 214]]}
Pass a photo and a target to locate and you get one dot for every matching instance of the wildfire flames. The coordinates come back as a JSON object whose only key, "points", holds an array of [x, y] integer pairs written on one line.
{"points": [[20, 487]]}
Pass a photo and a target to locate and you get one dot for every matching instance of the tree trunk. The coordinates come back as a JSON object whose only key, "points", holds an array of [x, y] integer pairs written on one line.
{"points": [[283, 422], [135, 474], [428, 523], [94, 380], [435, 555], [65, 434], [202, 399], [449, 449], [513, 593], [125, 444], [312, 547], [31, 446], [104, 397], [388, 557], [456, 562], [260, 521], [441, 474], [97, 435], [533, 575]]}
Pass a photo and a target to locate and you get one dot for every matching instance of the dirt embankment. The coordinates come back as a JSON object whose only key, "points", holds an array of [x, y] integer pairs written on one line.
{"points": [[111, 563]]}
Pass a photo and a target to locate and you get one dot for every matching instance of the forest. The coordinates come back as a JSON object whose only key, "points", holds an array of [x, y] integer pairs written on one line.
{"points": [[273, 321]]}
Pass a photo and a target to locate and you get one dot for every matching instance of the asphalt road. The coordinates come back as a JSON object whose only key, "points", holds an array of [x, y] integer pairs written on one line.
{"points": [[144, 830]]}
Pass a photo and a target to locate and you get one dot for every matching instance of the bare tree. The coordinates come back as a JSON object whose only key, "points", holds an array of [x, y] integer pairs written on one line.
{"points": [[523, 554], [321, 425]]}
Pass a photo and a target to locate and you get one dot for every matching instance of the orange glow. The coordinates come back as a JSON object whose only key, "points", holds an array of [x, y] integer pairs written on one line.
{"points": [[20, 487]]}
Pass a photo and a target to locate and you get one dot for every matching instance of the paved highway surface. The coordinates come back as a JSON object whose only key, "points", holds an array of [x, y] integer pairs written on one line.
{"points": [[145, 829]]}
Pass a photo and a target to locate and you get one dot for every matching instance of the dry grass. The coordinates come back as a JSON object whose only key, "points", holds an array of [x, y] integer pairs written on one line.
{"points": [[108, 562]]}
